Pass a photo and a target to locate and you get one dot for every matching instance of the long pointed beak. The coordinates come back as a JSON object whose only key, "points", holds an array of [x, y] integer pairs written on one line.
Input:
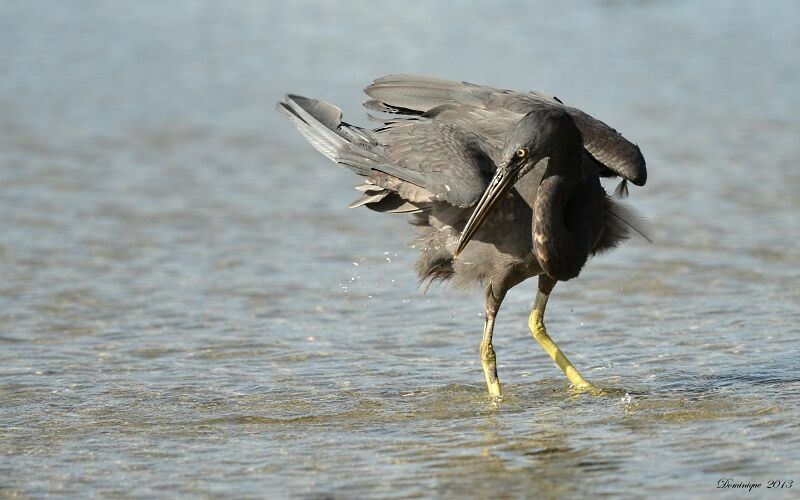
{"points": [[499, 185]]}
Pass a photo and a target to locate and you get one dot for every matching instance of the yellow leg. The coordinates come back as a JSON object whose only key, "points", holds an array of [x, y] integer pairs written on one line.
{"points": [[492, 300], [488, 359], [536, 324]]}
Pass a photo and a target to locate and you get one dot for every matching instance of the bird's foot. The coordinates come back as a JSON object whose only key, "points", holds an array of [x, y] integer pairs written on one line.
{"points": [[488, 360], [588, 388], [494, 387]]}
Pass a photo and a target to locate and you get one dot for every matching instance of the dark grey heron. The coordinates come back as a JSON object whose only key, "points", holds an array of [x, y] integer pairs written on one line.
{"points": [[451, 155]]}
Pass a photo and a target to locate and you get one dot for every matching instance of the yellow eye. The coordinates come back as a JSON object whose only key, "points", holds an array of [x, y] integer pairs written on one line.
{"points": [[521, 153]]}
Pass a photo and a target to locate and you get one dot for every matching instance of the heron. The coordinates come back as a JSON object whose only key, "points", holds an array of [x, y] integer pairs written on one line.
{"points": [[501, 185]]}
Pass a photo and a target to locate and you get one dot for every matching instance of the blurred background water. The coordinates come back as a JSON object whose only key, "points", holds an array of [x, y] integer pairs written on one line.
{"points": [[188, 308]]}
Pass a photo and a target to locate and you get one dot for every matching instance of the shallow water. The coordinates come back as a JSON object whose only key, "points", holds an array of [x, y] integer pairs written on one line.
{"points": [[187, 307]]}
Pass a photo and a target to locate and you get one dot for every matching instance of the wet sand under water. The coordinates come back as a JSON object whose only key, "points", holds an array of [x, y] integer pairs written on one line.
{"points": [[187, 307]]}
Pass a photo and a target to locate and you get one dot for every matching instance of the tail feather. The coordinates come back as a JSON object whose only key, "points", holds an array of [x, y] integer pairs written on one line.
{"points": [[316, 120], [621, 222], [355, 148], [322, 126]]}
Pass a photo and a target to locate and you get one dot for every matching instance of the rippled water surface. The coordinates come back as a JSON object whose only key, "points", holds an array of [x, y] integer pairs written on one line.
{"points": [[187, 307]]}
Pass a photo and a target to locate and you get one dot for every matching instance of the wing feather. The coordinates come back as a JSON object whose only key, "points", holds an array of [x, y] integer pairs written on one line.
{"points": [[410, 94]]}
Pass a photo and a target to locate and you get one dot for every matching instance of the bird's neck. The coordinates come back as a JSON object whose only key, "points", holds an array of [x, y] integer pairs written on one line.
{"points": [[561, 249]]}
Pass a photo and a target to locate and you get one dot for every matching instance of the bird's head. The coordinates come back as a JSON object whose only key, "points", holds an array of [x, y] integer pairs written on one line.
{"points": [[539, 134]]}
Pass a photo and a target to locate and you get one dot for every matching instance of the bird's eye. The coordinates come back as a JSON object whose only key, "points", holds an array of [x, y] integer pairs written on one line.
{"points": [[521, 152]]}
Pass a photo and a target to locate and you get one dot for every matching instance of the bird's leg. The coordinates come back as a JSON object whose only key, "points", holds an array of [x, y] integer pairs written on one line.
{"points": [[488, 359], [536, 324]]}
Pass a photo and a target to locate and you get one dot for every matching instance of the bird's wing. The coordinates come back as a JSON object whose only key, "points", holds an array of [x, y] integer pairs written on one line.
{"points": [[460, 102], [424, 160], [408, 164]]}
